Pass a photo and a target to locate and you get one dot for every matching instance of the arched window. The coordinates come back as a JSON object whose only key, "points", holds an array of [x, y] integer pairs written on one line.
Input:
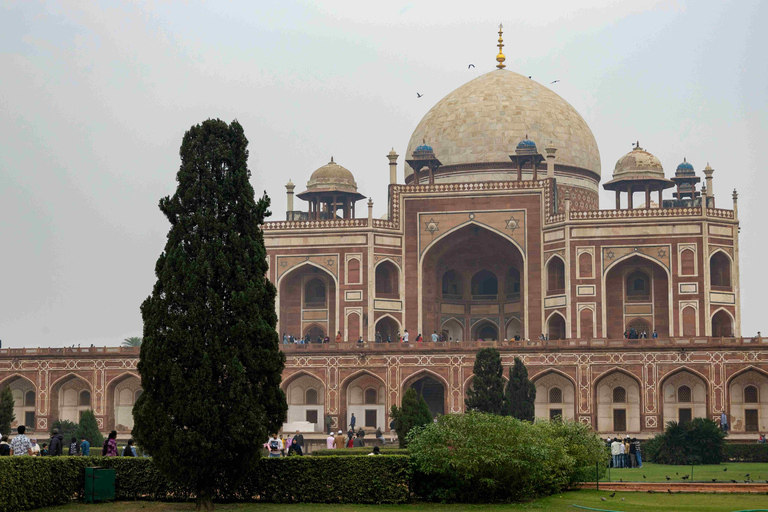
{"points": [[452, 285], [683, 394], [555, 276], [722, 326], [314, 293], [720, 271], [311, 396], [29, 399], [387, 280], [555, 395], [485, 286], [512, 284], [353, 271], [750, 395], [488, 332], [585, 265], [371, 396], [556, 327], [619, 395], [638, 287], [687, 262]]}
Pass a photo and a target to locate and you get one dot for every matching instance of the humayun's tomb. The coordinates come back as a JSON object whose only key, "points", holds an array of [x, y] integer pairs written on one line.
{"points": [[495, 237]]}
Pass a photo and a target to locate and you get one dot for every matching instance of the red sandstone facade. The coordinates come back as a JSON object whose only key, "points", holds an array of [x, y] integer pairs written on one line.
{"points": [[484, 245]]}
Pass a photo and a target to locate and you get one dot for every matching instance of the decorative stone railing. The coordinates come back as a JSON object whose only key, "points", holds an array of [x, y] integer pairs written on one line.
{"points": [[698, 342], [723, 214], [316, 224], [69, 351], [636, 214]]}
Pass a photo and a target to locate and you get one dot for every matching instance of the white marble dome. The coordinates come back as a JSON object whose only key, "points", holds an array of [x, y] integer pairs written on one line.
{"points": [[483, 120]]}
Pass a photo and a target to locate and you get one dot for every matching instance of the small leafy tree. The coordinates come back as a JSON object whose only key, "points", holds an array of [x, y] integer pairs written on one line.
{"points": [[487, 391], [133, 341], [414, 412], [89, 429], [520, 396], [6, 410], [477, 457]]}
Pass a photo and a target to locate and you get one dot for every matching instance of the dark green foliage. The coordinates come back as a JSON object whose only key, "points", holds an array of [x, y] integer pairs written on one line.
{"points": [[520, 396], [210, 365], [89, 429], [478, 457], [347, 452], [487, 391], [67, 429], [35, 482], [6, 410], [696, 442], [751, 452], [414, 412]]}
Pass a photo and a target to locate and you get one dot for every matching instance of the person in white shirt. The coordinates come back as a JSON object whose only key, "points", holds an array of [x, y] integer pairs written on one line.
{"points": [[435, 337], [616, 449], [35, 448], [329, 441], [405, 336], [274, 445]]}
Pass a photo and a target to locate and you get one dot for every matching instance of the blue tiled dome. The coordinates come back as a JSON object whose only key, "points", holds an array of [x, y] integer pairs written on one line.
{"points": [[526, 144], [685, 166], [424, 147]]}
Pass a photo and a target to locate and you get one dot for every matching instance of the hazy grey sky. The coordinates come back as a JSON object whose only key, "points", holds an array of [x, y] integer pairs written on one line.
{"points": [[96, 96]]}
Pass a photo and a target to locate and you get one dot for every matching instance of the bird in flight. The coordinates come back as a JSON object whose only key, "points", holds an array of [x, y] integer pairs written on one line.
{"points": [[470, 66], [554, 81], [419, 95]]}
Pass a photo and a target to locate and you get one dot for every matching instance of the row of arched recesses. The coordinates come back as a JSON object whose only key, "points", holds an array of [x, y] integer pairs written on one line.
{"points": [[484, 285], [70, 396], [618, 400]]}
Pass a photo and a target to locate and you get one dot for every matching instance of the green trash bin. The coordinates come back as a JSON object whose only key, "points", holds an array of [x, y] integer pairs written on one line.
{"points": [[99, 484]]}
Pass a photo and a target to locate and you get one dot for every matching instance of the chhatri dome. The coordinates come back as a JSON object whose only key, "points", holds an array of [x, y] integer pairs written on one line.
{"points": [[331, 177], [483, 121]]}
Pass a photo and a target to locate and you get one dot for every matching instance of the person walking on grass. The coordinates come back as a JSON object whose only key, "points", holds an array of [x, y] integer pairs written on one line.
{"points": [[74, 448], [616, 452], [85, 447], [129, 450], [638, 455], [338, 441], [57, 443], [111, 444], [330, 441]]}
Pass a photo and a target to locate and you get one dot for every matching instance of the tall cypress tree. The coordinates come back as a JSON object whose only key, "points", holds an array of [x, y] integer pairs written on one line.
{"points": [[6, 410], [520, 396], [210, 365], [89, 429], [487, 391], [413, 412]]}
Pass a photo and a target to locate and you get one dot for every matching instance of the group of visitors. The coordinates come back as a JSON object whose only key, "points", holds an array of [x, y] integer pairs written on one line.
{"points": [[280, 446], [632, 334], [23, 445], [626, 453], [277, 446]]}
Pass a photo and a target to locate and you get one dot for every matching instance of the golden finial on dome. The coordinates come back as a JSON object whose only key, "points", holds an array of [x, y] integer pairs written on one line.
{"points": [[500, 57]]}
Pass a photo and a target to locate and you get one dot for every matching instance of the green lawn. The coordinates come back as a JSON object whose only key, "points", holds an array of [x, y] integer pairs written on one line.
{"points": [[758, 472], [640, 502]]}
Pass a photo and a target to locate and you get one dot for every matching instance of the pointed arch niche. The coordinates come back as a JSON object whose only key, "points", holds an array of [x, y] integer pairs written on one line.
{"points": [[748, 392], [554, 396], [305, 394], [618, 403], [471, 273], [308, 299]]}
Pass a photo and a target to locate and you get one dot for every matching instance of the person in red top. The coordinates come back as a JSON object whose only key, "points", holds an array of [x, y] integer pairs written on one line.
{"points": [[419, 339]]}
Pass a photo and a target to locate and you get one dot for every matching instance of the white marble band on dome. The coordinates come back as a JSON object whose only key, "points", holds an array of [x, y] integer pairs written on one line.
{"points": [[484, 119]]}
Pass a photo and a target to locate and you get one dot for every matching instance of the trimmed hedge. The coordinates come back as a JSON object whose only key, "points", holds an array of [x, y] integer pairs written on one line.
{"points": [[346, 452], [35, 482], [745, 452]]}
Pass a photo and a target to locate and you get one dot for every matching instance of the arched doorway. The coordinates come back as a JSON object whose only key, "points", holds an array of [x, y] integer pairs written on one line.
{"points": [[485, 330], [122, 394], [722, 325], [514, 329], [556, 327], [637, 290], [306, 398], [433, 392], [71, 397], [307, 299], [24, 399], [472, 272], [618, 403], [748, 392], [684, 396], [453, 330], [366, 399], [554, 397], [387, 329]]}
